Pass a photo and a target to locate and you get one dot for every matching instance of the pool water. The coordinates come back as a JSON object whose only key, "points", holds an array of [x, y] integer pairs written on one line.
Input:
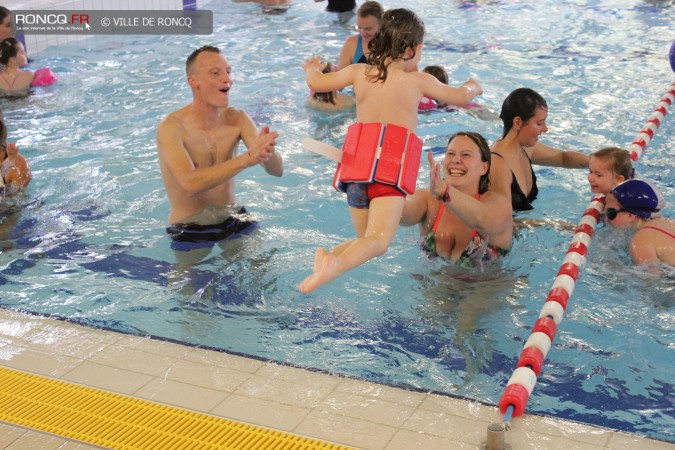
{"points": [[87, 241]]}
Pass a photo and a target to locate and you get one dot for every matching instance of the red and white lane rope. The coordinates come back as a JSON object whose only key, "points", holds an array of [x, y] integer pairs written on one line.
{"points": [[644, 138], [524, 378]]}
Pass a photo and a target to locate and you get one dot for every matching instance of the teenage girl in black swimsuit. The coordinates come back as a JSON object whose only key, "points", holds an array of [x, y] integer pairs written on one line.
{"points": [[524, 115]]}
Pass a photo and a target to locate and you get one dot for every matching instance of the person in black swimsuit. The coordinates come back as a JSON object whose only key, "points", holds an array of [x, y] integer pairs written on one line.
{"points": [[524, 114], [520, 201]]}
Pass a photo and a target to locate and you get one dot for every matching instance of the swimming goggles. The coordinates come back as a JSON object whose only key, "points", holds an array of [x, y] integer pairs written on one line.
{"points": [[613, 212]]}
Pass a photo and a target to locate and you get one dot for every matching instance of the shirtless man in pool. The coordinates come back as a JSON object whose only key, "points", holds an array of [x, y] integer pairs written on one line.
{"points": [[197, 155]]}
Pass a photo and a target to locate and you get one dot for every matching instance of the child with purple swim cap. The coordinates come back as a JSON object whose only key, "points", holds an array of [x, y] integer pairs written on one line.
{"points": [[637, 205]]}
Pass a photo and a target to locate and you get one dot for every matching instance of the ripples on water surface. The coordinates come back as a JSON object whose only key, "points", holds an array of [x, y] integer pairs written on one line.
{"points": [[89, 242]]}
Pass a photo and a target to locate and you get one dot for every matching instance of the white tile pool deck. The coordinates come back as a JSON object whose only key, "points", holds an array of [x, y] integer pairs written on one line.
{"points": [[335, 409]]}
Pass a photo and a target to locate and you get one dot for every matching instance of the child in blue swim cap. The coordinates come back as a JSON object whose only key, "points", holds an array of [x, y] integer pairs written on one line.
{"points": [[637, 204]]}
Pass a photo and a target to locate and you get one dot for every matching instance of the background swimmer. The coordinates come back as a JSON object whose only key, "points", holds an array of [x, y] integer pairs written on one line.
{"points": [[12, 58], [356, 48], [5, 23], [13, 166], [332, 100], [481, 112], [441, 75]]}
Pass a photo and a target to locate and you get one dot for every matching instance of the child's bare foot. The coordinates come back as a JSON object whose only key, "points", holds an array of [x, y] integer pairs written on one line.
{"points": [[318, 259], [324, 268]]}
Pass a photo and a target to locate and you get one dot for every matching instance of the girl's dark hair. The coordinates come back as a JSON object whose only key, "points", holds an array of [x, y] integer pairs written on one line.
{"points": [[400, 29], [485, 156], [3, 137], [523, 103], [4, 12], [438, 72], [326, 97], [619, 160], [9, 48]]}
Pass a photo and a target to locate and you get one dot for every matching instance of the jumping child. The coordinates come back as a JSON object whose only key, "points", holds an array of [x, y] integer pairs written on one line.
{"points": [[381, 154]]}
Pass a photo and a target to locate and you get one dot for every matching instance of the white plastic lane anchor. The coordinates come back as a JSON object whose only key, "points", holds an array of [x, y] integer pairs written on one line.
{"points": [[323, 149]]}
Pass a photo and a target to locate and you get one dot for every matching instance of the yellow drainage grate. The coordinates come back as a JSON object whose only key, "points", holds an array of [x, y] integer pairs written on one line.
{"points": [[121, 422]]}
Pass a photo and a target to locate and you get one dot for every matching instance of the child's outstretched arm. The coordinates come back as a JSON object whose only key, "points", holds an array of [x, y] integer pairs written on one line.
{"points": [[326, 82], [458, 96]]}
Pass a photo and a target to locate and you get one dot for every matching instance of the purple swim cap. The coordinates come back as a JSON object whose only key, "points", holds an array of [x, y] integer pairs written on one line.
{"points": [[640, 197]]}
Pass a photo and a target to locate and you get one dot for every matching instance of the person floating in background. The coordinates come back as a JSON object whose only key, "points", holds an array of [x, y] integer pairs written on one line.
{"points": [[197, 149], [332, 100], [7, 30], [608, 167], [340, 6], [12, 57], [387, 95], [270, 6], [524, 114], [637, 205], [441, 75], [5, 23], [481, 112], [14, 169], [355, 48], [459, 218]]}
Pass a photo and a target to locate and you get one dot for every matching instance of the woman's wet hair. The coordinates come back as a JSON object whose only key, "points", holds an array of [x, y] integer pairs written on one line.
{"points": [[326, 97], [193, 56], [619, 160], [485, 156], [9, 48], [370, 8], [400, 29], [438, 72], [523, 103], [4, 12]]}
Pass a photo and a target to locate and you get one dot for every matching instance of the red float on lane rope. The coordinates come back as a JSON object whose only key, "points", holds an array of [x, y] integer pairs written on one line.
{"points": [[533, 358], [515, 395], [546, 326], [559, 295]]}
